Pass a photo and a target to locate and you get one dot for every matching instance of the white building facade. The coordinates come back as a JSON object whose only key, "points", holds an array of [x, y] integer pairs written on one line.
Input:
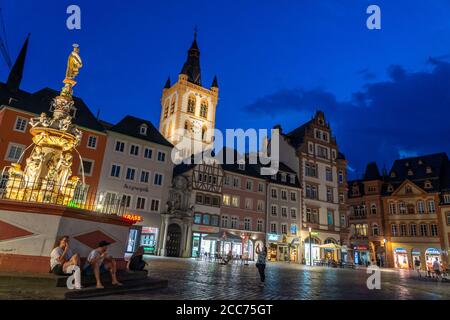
{"points": [[136, 175]]}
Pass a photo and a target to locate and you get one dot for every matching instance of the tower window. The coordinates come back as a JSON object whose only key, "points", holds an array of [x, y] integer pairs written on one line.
{"points": [[191, 105], [172, 106], [204, 109], [166, 110]]}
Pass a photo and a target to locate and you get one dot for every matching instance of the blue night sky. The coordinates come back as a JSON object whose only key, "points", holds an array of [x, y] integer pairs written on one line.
{"points": [[386, 92]]}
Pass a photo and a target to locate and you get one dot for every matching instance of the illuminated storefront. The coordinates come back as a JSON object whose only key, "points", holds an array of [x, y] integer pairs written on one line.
{"points": [[312, 249], [149, 240], [431, 254], [203, 241], [361, 254], [401, 258]]}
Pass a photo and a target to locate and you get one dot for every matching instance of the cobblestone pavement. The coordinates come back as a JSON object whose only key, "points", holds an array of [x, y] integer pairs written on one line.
{"points": [[201, 280]]}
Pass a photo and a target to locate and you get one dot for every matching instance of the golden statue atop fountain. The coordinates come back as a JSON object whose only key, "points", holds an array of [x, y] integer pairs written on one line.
{"points": [[47, 176]]}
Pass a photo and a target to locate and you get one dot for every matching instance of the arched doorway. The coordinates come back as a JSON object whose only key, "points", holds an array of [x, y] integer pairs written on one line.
{"points": [[173, 240], [311, 250]]}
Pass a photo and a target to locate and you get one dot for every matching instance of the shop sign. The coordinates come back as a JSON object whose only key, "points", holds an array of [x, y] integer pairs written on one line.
{"points": [[149, 230], [314, 234], [415, 252], [361, 248], [433, 251], [132, 217], [273, 237], [205, 229], [400, 250]]}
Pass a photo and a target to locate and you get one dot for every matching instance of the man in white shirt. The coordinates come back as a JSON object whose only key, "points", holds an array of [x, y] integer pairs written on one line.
{"points": [[437, 268], [62, 257], [98, 262]]}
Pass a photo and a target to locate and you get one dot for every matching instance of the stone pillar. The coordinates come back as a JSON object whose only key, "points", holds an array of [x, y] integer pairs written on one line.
{"points": [[183, 239], [165, 226], [189, 240]]}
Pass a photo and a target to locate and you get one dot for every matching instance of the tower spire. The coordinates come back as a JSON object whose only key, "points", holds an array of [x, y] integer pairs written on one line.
{"points": [[191, 67], [16, 73]]}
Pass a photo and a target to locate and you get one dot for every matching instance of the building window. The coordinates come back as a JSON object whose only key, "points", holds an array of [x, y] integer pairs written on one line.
{"points": [[341, 177], [126, 201], [343, 221], [140, 203], [284, 212], [448, 218], [392, 208], [446, 198], [158, 179], [247, 224], [120, 146], [199, 198], [293, 196], [403, 230], [224, 222], [284, 195], [431, 208], [394, 230], [329, 174], [420, 206], [143, 129], [249, 185], [130, 174], [283, 177], [134, 150], [274, 193], [402, 207], [92, 142], [293, 229], [274, 210], [234, 222], [145, 176], [292, 179], [322, 152], [235, 201], [284, 228], [14, 152], [215, 221], [161, 156], [88, 167], [204, 109], [434, 230], [311, 192], [248, 204], [375, 230], [236, 182], [310, 170], [166, 109], [330, 219], [329, 194], [191, 105], [260, 206], [115, 171], [373, 208], [197, 218], [21, 124], [226, 200], [293, 213], [148, 153], [260, 225], [423, 230], [172, 105], [273, 227], [413, 230], [216, 201], [206, 219], [226, 180], [260, 187], [154, 205]]}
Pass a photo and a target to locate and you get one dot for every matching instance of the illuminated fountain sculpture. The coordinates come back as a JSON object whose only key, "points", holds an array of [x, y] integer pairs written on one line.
{"points": [[47, 176]]}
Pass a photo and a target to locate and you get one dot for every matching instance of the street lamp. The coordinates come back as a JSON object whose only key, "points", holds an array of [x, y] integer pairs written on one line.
{"points": [[310, 248]]}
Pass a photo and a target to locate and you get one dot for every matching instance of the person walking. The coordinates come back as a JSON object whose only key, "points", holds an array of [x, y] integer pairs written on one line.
{"points": [[437, 268], [261, 263], [417, 266]]}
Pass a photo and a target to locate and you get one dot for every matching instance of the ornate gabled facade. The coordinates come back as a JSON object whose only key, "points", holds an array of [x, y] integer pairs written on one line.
{"points": [[312, 151], [193, 209], [188, 109]]}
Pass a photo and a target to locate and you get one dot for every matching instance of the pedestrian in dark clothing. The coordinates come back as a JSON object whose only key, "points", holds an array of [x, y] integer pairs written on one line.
{"points": [[261, 263], [137, 262]]}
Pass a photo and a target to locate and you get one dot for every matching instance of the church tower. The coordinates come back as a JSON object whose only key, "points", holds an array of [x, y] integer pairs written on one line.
{"points": [[188, 105]]}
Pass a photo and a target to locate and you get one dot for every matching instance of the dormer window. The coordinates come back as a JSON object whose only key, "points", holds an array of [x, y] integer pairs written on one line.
{"points": [[429, 170], [410, 172], [407, 164], [428, 185], [393, 175], [355, 190], [292, 178], [143, 129], [241, 166], [420, 162], [408, 189], [390, 188], [274, 177]]}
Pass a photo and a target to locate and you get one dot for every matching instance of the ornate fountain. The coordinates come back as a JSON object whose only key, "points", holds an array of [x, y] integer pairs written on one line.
{"points": [[47, 176]]}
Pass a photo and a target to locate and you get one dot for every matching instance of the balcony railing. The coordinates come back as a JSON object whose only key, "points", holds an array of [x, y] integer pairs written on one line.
{"points": [[73, 195]]}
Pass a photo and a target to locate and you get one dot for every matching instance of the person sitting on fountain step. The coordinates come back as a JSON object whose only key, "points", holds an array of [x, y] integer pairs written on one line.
{"points": [[136, 262], [99, 262], [62, 257]]}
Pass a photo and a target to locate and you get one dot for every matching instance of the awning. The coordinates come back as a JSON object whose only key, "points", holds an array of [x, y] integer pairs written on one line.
{"points": [[333, 246], [223, 236]]}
